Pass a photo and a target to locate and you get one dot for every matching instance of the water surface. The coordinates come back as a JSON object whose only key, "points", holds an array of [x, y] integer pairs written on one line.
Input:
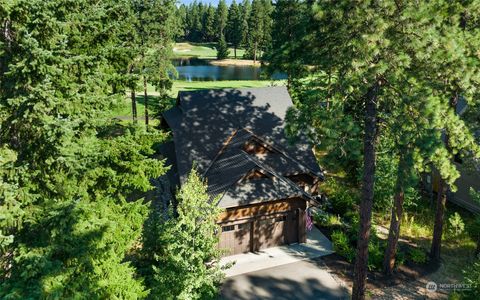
{"points": [[202, 70]]}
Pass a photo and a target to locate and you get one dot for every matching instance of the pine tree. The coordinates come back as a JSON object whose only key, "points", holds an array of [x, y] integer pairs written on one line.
{"points": [[68, 221], [222, 48], [245, 14], [285, 54], [221, 18], [155, 29], [209, 28], [255, 30], [355, 41], [456, 77], [267, 21], [234, 24], [183, 267], [181, 21]]}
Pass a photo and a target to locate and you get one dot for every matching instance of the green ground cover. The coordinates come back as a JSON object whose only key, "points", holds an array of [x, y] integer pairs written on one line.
{"points": [[201, 50], [124, 109]]}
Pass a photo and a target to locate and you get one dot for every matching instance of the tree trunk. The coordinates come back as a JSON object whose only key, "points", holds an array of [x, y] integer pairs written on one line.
{"points": [[441, 199], [361, 260], [145, 97], [134, 106], [394, 232], [235, 51], [438, 227], [255, 52], [133, 97]]}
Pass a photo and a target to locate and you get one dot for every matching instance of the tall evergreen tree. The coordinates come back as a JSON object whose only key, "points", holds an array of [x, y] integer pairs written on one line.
{"points": [[457, 77], [221, 18], [410, 99], [267, 25], [222, 48], [255, 30], [245, 14], [181, 22], [68, 222], [285, 54], [209, 27], [155, 28], [183, 264], [234, 27]]}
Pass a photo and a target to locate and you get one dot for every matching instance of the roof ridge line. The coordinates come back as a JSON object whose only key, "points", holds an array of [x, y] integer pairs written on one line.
{"points": [[222, 149]]}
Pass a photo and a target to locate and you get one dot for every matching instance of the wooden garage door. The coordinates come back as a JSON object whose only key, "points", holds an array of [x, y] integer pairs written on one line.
{"points": [[259, 233], [276, 231], [236, 238]]}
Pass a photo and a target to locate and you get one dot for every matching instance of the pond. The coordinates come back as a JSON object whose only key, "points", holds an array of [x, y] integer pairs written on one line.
{"points": [[202, 70]]}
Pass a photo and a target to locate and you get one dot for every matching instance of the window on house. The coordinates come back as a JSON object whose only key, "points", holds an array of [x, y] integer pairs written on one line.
{"points": [[243, 226], [228, 228]]}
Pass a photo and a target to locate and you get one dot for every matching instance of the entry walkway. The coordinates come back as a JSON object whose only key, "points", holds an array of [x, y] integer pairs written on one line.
{"points": [[317, 245]]}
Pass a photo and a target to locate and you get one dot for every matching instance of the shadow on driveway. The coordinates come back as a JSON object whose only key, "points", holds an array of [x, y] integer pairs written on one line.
{"points": [[299, 280]]}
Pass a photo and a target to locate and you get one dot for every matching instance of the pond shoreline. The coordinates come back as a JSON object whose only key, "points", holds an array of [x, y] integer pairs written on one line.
{"points": [[221, 62], [198, 69], [233, 62]]}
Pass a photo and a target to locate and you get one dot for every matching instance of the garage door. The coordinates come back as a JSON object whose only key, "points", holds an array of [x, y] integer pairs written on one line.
{"points": [[236, 238], [276, 231], [259, 233]]}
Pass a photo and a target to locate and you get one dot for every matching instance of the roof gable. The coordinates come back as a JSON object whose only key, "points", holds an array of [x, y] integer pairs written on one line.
{"points": [[203, 121]]}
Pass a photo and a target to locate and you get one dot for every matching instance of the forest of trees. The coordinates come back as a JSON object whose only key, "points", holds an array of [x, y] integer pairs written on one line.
{"points": [[246, 24], [75, 222], [376, 86], [380, 81]]}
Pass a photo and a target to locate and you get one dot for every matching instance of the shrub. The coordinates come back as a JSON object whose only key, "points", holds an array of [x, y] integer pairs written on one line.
{"points": [[400, 258], [354, 224], [326, 219], [415, 227], [342, 198], [341, 245], [456, 225], [418, 256], [333, 220], [472, 277], [376, 250], [473, 230]]}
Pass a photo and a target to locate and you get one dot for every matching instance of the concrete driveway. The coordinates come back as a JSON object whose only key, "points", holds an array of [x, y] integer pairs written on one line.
{"points": [[317, 245], [306, 279]]}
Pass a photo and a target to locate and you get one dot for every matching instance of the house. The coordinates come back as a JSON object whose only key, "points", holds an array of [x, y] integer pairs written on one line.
{"points": [[236, 139]]}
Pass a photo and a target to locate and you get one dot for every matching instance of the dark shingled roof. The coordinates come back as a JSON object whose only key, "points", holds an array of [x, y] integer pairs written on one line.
{"points": [[211, 126]]}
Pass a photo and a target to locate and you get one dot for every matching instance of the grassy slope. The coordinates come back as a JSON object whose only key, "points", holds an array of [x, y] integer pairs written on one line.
{"points": [[204, 50], [124, 109]]}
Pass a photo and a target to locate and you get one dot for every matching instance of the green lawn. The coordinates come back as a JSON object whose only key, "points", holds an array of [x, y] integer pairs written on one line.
{"points": [[203, 50], [124, 109]]}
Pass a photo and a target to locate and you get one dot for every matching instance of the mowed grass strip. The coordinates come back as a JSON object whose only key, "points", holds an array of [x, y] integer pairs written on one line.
{"points": [[201, 50]]}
